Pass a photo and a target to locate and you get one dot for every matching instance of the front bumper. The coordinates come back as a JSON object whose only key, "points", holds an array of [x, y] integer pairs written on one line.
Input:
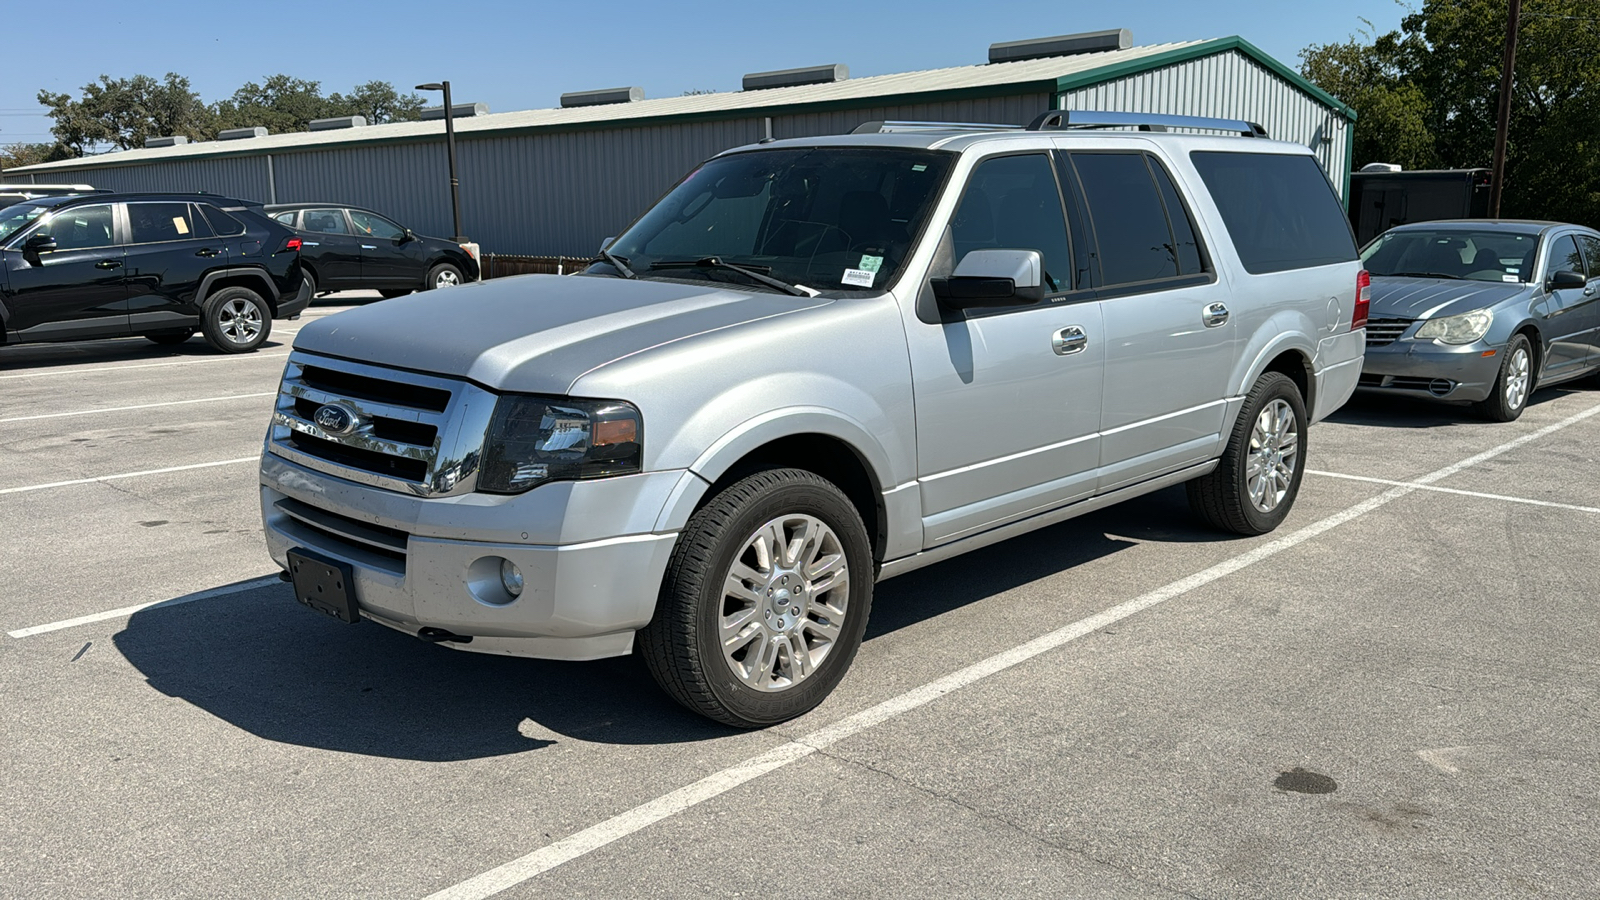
{"points": [[591, 562], [1430, 369]]}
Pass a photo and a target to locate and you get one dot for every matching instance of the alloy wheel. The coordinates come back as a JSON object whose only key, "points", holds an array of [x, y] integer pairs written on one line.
{"points": [[447, 278], [240, 321], [784, 602], [1517, 378], [1274, 453]]}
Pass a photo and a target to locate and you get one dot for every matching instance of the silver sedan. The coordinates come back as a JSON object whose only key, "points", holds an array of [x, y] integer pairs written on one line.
{"points": [[1483, 311]]}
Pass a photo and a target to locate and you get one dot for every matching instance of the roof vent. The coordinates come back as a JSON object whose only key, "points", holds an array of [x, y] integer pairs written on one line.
{"points": [[340, 122], [756, 81], [1380, 167], [171, 140], [602, 97], [457, 111], [1061, 45], [239, 134]]}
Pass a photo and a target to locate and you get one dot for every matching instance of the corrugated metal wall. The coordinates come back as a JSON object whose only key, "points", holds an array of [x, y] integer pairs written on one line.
{"points": [[559, 193], [1228, 85]]}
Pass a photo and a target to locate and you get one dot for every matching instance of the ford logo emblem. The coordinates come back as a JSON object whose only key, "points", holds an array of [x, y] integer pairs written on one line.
{"points": [[336, 418]]}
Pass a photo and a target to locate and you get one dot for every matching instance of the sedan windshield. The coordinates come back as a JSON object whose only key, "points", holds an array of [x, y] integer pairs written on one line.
{"points": [[1478, 255], [15, 218], [817, 219]]}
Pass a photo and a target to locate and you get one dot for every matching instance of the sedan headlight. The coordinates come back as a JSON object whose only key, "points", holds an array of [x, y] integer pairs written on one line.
{"points": [[537, 439], [1462, 329]]}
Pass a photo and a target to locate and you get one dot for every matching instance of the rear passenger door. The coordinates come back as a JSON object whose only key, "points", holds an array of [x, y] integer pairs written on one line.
{"points": [[1169, 332], [170, 248], [1569, 313], [1007, 413], [333, 248]]}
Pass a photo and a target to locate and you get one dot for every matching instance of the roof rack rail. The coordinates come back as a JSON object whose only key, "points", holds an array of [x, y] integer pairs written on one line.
{"points": [[1058, 120], [888, 127]]}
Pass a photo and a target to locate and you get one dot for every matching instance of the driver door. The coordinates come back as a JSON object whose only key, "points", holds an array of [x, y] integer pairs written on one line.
{"points": [[77, 290]]}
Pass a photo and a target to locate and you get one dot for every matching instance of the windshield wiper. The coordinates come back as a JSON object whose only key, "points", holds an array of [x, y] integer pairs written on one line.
{"points": [[1423, 275], [755, 273], [617, 263]]}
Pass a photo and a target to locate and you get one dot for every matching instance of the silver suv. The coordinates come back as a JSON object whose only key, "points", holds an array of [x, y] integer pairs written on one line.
{"points": [[813, 365]]}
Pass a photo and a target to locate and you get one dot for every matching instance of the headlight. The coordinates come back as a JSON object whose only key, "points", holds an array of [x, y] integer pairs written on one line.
{"points": [[537, 439], [1462, 329]]}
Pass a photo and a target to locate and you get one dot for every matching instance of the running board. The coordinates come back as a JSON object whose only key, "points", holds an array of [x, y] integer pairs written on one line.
{"points": [[1005, 532]]}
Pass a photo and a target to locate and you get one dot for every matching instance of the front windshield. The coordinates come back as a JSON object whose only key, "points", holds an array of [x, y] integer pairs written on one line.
{"points": [[15, 218], [823, 218], [1477, 255]]}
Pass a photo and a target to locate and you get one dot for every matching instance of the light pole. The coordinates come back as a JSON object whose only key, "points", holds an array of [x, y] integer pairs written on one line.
{"points": [[450, 149]]}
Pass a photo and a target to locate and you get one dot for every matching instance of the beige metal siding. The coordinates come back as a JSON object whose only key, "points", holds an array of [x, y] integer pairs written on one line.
{"points": [[1228, 85]]}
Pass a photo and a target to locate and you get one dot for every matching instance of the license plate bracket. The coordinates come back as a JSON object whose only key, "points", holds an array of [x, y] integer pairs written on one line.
{"points": [[325, 585]]}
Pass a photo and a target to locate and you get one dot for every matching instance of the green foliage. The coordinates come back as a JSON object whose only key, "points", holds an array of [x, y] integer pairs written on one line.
{"points": [[120, 113], [24, 154], [1427, 97]]}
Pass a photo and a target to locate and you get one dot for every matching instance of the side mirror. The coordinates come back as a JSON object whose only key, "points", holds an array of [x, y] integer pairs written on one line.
{"points": [[34, 246], [993, 278], [606, 244], [1561, 281], [406, 237]]}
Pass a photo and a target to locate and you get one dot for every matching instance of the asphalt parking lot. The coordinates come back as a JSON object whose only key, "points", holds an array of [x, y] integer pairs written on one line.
{"points": [[1392, 696]]}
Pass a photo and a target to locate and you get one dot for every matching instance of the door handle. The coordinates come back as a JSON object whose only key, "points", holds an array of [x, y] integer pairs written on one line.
{"points": [[1214, 315], [108, 264], [1589, 291], [1068, 340], [311, 243], [206, 252], [369, 246]]}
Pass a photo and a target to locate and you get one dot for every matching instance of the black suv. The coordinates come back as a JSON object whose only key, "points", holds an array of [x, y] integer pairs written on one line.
{"points": [[157, 265], [350, 248]]}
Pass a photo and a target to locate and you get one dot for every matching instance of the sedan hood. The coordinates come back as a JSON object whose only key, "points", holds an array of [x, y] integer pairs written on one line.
{"points": [[534, 333], [1428, 298]]}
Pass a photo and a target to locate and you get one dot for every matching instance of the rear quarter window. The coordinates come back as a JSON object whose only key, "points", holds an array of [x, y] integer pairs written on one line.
{"points": [[1279, 209]]}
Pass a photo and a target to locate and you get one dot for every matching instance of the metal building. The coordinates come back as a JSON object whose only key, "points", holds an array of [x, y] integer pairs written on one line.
{"points": [[557, 181]]}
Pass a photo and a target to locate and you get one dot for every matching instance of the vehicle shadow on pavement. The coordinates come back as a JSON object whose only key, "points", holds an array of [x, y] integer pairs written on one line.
{"points": [[273, 668], [118, 350], [1378, 411]]}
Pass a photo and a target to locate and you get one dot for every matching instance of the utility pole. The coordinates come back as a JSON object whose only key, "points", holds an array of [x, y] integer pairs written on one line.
{"points": [[1503, 123]]}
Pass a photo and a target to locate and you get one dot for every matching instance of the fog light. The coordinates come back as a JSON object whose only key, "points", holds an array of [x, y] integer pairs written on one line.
{"points": [[511, 577]]}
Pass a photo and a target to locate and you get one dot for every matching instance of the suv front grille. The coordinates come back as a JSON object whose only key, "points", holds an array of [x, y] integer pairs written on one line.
{"points": [[1383, 332], [412, 433]]}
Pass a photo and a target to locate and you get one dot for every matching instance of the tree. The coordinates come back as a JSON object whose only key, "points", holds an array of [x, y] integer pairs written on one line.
{"points": [[378, 102], [23, 154], [122, 112], [280, 103], [1428, 93]]}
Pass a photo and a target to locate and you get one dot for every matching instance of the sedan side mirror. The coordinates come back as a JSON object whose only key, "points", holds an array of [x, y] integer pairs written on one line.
{"points": [[34, 246], [993, 278], [1561, 281], [406, 237]]}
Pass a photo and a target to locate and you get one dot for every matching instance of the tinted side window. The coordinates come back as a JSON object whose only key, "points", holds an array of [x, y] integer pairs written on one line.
{"points": [[1591, 253], [80, 228], [375, 226], [1013, 202], [1563, 257], [287, 218], [221, 222], [324, 221], [1184, 240], [155, 223], [1280, 210], [1130, 221]]}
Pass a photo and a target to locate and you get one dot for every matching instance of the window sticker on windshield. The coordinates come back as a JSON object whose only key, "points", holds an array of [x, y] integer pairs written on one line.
{"points": [[180, 224], [870, 264], [1509, 278], [919, 168], [859, 277]]}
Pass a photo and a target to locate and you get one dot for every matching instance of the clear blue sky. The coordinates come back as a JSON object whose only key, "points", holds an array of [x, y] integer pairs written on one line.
{"points": [[524, 55]]}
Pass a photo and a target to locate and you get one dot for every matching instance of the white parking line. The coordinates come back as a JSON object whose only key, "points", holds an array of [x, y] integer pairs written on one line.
{"points": [[1445, 490], [617, 827], [130, 610], [246, 357], [112, 409], [56, 484]]}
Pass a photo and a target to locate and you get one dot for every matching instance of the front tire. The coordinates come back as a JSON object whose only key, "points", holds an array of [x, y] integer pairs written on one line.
{"points": [[1255, 484], [442, 276], [236, 320], [1513, 386], [765, 600]]}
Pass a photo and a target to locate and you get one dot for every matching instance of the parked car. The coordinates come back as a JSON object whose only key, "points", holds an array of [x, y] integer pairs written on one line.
{"points": [[1482, 311], [812, 365], [158, 265], [349, 248]]}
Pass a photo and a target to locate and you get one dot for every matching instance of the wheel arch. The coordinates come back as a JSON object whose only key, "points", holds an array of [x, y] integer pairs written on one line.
{"points": [[1290, 352], [253, 278]]}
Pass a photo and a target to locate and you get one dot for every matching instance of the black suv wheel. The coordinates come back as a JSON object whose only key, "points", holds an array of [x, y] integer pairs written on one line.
{"points": [[236, 320]]}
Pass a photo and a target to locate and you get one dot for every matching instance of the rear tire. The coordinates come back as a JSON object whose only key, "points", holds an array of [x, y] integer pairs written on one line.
{"points": [[236, 320], [170, 338], [1513, 386], [311, 283], [1255, 484], [441, 276], [780, 563]]}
